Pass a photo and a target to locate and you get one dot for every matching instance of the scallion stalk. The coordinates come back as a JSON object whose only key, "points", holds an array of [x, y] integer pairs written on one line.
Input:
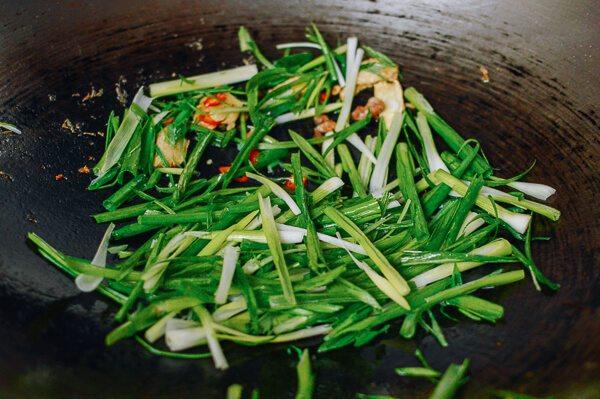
{"points": [[518, 221], [204, 81], [270, 231]]}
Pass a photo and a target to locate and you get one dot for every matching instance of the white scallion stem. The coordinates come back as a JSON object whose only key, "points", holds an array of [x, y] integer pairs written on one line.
{"points": [[338, 72], [357, 142], [307, 113], [385, 154], [434, 160], [159, 328], [182, 339], [231, 255], [117, 248], [517, 221], [87, 283], [327, 187], [180, 324], [278, 191], [394, 204], [542, 209], [229, 310], [499, 247], [335, 241], [170, 171], [330, 156], [141, 100], [283, 46], [351, 75], [211, 337], [535, 190], [10, 127], [122, 136], [472, 222], [342, 121], [251, 266], [286, 237], [156, 119], [381, 282], [290, 324], [351, 45], [257, 221], [365, 167], [204, 81], [302, 334]]}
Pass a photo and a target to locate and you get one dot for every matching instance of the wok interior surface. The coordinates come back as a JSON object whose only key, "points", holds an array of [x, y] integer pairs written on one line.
{"points": [[540, 104]]}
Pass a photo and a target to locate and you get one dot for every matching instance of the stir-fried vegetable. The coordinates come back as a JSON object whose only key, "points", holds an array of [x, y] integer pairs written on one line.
{"points": [[286, 241]]}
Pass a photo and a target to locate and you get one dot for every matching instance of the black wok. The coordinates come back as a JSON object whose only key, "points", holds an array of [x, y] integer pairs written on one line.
{"points": [[541, 103]]}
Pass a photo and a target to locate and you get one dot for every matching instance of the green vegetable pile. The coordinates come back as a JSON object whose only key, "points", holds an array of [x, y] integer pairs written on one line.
{"points": [[346, 235]]}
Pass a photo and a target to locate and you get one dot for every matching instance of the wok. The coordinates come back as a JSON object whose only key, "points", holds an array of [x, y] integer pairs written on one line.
{"points": [[540, 103]]}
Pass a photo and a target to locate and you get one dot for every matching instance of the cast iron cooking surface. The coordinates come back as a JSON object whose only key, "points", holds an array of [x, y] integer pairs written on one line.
{"points": [[542, 58]]}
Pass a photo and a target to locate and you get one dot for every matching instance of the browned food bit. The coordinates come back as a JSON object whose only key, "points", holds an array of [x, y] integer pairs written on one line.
{"points": [[5, 176], [360, 113], [84, 169], [485, 75], [59, 177], [324, 125], [320, 119], [374, 106], [121, 92], [93, 93], [68, 125]]}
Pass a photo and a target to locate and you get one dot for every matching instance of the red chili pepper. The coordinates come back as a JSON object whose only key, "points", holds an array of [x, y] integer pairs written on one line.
{"points": [[225, 168], [207, 121], [323, 97], [253, 157], [211, 102], [168, 121], [221, 96], [291, 186]]}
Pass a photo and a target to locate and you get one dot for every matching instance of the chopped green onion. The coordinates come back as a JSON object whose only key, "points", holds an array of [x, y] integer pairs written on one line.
{"points": [[517, 221], [306, 379], [451, 380], [86, 282], [376, 256], [123, 135], [277, 191], [10, 127], [499, 247], [274, 243], [417, 372], [385, 154], [535, 190], [230, 258], [434, 160], [198, 82], [307, 113], [213, 342]]}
